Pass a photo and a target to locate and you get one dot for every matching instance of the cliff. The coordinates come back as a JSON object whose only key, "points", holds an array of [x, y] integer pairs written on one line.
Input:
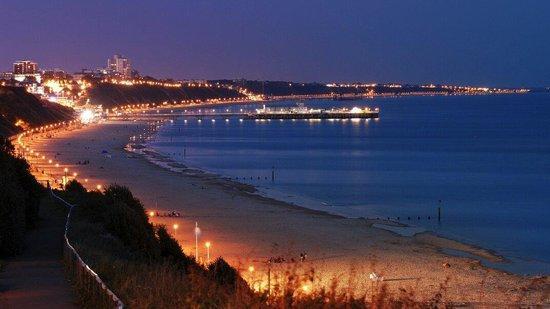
{"points": [[111, 95], [19, 106]]}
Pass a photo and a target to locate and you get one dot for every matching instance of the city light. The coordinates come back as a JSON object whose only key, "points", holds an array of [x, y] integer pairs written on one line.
{"points": [[86, 116], [208, 245]]}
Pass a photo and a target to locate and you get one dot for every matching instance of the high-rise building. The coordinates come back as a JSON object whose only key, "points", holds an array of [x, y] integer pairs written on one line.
{"points": [[119, 65], [25, 67]]}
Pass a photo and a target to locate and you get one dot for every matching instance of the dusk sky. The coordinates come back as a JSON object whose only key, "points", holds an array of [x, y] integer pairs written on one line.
{"points": [[490, 43]]}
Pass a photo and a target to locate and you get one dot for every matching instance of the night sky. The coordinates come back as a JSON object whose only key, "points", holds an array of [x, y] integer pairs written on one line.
{"points": [[484, 42]]}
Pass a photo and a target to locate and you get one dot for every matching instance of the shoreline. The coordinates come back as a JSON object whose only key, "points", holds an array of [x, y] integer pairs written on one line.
{"points": [[244, 224], [153, 156]]}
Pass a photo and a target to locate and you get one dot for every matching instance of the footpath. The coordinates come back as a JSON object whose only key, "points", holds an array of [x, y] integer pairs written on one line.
{"points": [[36, 279]]}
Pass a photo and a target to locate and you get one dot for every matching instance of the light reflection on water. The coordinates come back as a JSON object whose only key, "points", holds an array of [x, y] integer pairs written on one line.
{"points": [[487, 158]]}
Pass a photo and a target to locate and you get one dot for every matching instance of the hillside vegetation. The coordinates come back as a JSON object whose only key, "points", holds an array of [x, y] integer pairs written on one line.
{"points": [[111, 95], [20, 196], [140, 262], [16, 104]]}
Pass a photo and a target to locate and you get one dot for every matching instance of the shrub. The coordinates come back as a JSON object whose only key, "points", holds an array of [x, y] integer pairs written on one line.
{"points": [[20, 197], [12, 213], [74, 187], [115, 193], [33, 191], [124, 223], [171, 250], [222, 272]]}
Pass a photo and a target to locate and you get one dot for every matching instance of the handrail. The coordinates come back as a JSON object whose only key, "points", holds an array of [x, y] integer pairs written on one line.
{"points": [[112, 296]]}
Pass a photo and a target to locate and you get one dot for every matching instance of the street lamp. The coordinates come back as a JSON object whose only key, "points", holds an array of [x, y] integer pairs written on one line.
{"points": [[65, 177], [208, 245], [175, 226]]}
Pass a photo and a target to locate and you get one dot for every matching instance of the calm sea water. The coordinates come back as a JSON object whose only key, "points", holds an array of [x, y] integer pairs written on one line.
{"points": [[487, 158]]}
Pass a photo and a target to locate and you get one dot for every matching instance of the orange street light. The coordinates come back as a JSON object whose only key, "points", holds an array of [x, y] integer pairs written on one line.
{"points": [[208, 245], [151, 214], [65, 177]]}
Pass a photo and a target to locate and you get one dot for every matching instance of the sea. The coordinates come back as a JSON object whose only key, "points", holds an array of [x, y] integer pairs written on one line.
{"points": [[483, 161]]}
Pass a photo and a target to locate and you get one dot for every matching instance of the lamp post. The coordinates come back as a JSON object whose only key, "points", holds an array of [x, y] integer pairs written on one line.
{"points": [[65, 170], [175, 227], [197, 233], [208, 245]]}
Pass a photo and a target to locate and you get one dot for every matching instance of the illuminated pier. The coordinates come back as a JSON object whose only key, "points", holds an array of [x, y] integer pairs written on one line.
{"points": [[291, 113], [302, 112]]}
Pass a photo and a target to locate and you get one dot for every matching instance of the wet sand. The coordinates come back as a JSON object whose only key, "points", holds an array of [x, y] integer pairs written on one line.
{"points": [[248, 229]]}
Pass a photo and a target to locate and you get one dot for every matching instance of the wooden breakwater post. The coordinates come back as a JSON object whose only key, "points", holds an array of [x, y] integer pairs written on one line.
{"points": [[439, 212], [273, 173]]}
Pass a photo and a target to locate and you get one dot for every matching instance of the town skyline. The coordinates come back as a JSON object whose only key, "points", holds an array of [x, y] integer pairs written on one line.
{"points": [[121, 67]]}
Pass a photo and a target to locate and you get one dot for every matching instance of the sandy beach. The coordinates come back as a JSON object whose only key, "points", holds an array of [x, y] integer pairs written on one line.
{"points": [[247, 229]]}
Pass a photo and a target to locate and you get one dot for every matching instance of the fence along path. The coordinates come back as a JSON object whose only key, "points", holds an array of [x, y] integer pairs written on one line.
{"points": [[82, 274]]}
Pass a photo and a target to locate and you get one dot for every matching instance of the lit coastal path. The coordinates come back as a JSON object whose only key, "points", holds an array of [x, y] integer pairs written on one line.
{"points": [[36, 279]]}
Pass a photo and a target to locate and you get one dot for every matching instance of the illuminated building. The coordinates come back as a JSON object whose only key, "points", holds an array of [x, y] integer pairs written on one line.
{"points": [[25, 67], [6, 76], [119, 65], [26, 71]]}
